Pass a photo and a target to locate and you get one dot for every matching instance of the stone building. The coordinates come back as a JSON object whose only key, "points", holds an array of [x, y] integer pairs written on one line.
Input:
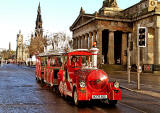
{"points": [[114, 29], [22, 51]]}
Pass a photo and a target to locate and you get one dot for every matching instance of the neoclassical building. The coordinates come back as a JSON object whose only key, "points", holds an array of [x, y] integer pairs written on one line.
{"points": [[115, 29]]}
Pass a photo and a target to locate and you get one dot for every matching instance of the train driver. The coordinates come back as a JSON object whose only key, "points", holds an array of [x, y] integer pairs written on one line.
{"points": [[75, 62]]}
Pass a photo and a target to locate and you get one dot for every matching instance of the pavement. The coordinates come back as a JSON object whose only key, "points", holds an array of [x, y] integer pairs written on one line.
{"points": [[150, 83]]}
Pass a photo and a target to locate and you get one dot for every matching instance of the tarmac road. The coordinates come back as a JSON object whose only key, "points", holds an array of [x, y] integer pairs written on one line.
{"points": [[20, 93]]}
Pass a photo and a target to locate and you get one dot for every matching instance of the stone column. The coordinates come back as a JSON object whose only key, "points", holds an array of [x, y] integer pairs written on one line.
{"points": [[86, 41], [80, 42], [90, 40], [110, 56], [94, 36], [77, 42], [83, 41], [157, 46], [99, 45], [74, 43], [124, 48]]}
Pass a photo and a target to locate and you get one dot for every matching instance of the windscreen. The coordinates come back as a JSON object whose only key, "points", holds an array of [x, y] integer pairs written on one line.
{"points": [[81, 61]]}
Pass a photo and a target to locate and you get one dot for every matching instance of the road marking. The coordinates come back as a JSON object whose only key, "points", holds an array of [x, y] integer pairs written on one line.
{"points": [[133, 107]]}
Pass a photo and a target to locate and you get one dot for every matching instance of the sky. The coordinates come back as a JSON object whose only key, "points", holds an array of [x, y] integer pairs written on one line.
{"points": [[57, 16]]}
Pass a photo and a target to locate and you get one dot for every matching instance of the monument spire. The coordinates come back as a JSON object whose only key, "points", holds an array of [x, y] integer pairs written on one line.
{"points": [[9, 46], [38, 28]]}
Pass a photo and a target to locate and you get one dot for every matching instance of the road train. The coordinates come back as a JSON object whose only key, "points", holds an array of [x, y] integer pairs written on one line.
{"points": [[75, 74]]}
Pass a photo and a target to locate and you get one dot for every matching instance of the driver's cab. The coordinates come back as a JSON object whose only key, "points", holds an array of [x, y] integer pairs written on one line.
{"points": [[78, 59]]}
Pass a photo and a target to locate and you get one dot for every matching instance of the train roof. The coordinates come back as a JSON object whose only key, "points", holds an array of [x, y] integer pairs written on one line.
{"points": [[69, 52], [51, 53], [80, 52]]}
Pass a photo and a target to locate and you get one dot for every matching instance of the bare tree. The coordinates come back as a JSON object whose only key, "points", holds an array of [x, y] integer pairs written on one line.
{"points": [[60, 41]]}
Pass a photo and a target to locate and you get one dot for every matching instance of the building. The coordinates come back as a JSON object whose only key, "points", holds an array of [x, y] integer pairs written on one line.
{"points": [[111, 27], [2, 49], [9, 46], [22, 51]]}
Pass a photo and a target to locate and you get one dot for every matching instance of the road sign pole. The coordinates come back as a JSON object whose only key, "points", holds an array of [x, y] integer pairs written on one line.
{"points": [[138, 59], [138, 69], [128, 58]]}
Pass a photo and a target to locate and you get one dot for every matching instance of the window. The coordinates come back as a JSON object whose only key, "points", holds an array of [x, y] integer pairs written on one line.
{"points": [[81, 61]]}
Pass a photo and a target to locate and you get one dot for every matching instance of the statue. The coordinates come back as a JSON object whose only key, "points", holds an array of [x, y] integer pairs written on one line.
{"points": [[110, 3]]}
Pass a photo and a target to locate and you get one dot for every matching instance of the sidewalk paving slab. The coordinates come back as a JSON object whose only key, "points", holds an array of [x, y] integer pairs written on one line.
{"points": [[147, 89]]}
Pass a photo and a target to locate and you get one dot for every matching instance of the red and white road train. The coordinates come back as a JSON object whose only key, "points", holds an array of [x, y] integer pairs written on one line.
{"points": [[75, 74]]}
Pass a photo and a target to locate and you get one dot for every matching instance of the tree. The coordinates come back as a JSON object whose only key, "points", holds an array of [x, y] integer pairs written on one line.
{"points": [[8, 54], [37, 45], [60, 41]]}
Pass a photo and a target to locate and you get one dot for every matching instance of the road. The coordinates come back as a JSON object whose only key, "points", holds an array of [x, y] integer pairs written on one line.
{"points": [[20, 93]]}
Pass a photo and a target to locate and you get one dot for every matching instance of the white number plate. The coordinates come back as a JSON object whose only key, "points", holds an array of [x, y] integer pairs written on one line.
{"points": [[99, 96]]}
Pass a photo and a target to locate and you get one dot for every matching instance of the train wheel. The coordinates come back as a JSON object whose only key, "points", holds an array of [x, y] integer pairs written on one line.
{"points": [[42, 82], [37, 79], [112, 102], [75, 97]]}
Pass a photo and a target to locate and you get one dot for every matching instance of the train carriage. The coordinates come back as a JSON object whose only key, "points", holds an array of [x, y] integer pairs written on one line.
{"points": [[47, 68], [76, 75]]}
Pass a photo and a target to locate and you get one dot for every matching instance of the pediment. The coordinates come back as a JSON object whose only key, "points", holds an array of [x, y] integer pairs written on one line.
{"points": [[81, 19]]}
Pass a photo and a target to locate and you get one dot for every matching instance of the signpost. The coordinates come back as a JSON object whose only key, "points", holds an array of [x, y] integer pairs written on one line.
{"points": [[141, 42], [128, 58]]}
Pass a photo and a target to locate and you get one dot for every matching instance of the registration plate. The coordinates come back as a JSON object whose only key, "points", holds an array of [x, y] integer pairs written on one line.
{"points": [[99, 96]]}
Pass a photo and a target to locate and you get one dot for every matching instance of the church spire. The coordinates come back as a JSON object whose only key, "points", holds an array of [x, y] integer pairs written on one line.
{"points": [[38, 28]]}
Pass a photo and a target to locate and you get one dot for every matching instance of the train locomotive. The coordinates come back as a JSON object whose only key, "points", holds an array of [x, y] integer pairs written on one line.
{"points": [[75, 74]]}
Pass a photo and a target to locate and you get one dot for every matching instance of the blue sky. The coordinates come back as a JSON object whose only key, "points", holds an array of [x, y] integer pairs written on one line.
{"points": [[57, 16]]}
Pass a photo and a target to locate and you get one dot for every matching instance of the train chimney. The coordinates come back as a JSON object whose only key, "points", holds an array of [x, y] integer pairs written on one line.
{"points": [[94, 51]]}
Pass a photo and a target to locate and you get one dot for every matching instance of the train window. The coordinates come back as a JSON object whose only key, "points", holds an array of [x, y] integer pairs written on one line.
{"points": [[45, 61], [42, 63], [59, 61], [81, 61], [53, 61], [49, 62], [76, 61]]}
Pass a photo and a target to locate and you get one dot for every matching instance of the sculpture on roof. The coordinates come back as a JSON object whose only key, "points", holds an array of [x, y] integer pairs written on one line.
{"points": [[110, 3]]}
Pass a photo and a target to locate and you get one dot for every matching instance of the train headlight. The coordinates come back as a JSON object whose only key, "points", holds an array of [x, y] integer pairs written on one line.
{"points": [[116, 84], [82, 84]]}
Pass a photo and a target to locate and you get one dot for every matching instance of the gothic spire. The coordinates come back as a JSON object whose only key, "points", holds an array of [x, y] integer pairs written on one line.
{"points": [[39, 9], [38, 27]]}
